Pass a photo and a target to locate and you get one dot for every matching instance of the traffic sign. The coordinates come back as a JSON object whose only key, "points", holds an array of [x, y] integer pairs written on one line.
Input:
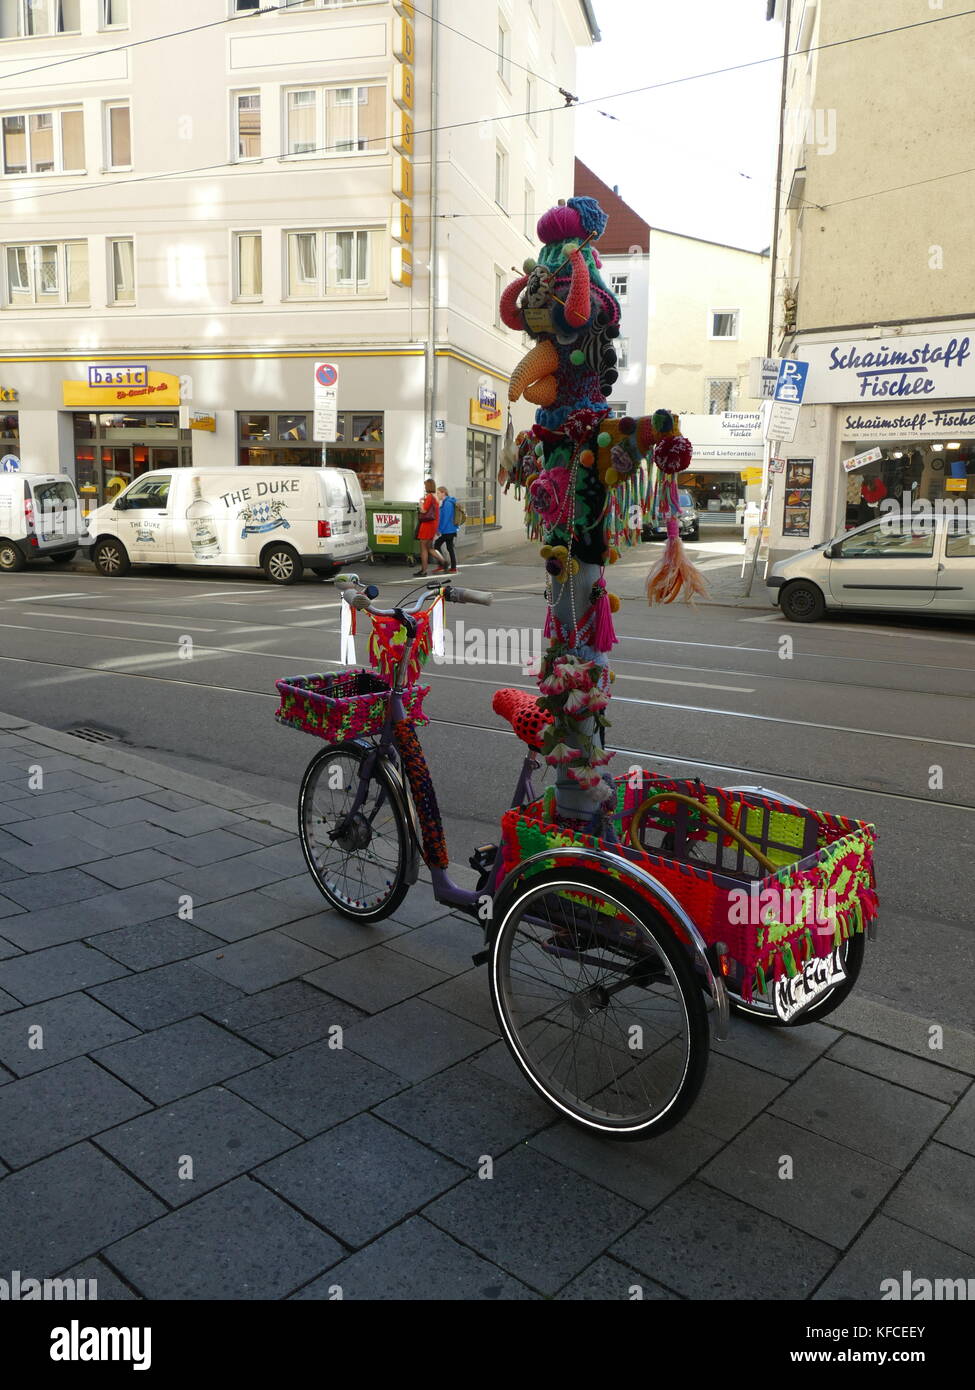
{"points": [[792, 381], [783, 420], [325, 426]]}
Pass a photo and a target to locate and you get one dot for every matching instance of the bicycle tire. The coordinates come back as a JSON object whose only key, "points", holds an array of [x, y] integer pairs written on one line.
{"points": [[317, 827], [656, 952]]}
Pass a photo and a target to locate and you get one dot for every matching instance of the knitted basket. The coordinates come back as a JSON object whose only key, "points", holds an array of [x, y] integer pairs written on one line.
{"points": [[342, 705], [770, 923]]}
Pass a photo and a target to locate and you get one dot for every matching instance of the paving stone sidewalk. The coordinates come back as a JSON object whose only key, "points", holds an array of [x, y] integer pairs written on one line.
{"points": [[176, 1121]]}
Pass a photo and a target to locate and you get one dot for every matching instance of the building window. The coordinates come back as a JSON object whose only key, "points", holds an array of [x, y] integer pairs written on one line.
{"points": [[322, 263], [337, 120], [620, 286], [44, 142], [501, 177], [531, 101], [268, 439], [47, 274], [247, 125], [499, 278], [122, 259], [118, 137], [247, 6], [529, 212], [115, 14], [720, 395], [724, 323], [617, 409], [504, 52], [248, 271], [622, 347], [30, 19]]}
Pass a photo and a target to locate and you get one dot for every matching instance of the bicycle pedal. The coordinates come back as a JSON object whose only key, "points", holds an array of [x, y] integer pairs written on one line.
{"points": [[483, 858], [481, 957]]}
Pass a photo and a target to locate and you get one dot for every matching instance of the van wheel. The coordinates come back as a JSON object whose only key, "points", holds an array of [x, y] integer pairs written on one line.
{"points": [[282, 565], [11, 558], [64, 558], [802, 601], [111, 558], [694, 534]]}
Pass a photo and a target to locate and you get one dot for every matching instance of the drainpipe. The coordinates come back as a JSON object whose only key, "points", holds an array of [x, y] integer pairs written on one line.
{"points": [[778, 175], [430, 374]]}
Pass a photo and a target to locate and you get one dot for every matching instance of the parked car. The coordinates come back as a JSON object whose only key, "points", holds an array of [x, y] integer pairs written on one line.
{"points": [[40, 518], [279, 519], [690, 522], [918, 564]]}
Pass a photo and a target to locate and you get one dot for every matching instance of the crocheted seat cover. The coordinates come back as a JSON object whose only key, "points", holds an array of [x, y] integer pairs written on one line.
{"points": [[521, 711]]}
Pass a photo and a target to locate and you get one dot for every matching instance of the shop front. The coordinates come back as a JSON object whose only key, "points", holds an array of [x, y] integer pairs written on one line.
{"points": [[728, 447], [112, 449], [268, 439], [887, 425]]}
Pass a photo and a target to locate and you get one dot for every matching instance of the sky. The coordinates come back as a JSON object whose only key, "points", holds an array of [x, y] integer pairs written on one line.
{"points": [[697, 158]]}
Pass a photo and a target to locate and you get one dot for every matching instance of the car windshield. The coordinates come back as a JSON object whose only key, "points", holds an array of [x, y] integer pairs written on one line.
{"points": [[686, 500]]}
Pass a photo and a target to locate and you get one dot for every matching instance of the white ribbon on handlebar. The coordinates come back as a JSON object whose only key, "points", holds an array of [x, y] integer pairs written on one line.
{"points": [[436, 627], [347, 642]]}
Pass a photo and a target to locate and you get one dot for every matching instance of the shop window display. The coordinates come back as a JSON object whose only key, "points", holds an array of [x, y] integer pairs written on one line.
{"points": [[271, 439], [909, 475]]}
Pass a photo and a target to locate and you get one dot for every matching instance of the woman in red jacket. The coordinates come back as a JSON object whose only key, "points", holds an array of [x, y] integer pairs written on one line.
{"points": [[427, 529]]}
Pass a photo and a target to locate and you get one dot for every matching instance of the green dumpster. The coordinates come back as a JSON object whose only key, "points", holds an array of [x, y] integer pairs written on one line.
{"points": [[392, 529]]}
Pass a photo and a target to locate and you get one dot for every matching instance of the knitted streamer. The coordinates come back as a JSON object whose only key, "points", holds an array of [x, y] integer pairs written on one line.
{"points": [[424, 796], [674, 573]]}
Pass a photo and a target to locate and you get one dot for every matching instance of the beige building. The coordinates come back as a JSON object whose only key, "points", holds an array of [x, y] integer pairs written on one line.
{"points": [[707, 319], [188, 225], [873, 270]]}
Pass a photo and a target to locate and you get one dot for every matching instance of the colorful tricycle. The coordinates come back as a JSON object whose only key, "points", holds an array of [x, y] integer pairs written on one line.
{"points": [[604, 952]]}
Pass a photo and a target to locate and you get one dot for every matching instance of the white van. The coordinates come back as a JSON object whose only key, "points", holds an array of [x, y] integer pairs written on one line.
{"points": [[280, 519], [40, 517]]}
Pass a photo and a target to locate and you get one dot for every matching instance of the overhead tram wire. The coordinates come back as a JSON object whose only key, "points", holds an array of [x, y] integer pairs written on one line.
{"points": [[574, 104]]}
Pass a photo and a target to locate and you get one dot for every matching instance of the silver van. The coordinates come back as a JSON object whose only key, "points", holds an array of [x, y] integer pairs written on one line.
{"points": [[40, 518], [923, 563]]}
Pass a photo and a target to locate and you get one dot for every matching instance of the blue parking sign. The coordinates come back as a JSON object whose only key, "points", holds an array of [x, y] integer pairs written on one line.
{"points": [[792, 381]]}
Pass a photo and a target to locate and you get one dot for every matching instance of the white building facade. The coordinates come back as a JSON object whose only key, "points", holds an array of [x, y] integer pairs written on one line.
{"points": [[189, 225]]}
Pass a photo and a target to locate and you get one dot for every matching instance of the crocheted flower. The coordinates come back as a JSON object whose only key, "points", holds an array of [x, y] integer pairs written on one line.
{"points": [[561, 753], [576, 702], [548, 495]]}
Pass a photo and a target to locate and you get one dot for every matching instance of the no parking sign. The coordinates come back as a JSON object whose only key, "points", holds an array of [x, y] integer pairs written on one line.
{"points": [[326, 402]]}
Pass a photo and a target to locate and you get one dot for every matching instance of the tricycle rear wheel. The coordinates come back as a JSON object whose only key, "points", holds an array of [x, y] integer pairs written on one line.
{"points": [[602, 1013]]}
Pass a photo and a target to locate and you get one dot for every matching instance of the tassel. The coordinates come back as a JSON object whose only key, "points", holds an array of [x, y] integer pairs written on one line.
{"points": [[547, 630], [347, 641], [604, 634], [674, 573]]}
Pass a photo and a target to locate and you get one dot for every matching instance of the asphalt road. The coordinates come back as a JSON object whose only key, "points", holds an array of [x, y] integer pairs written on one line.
{"points": [[869, 716]]}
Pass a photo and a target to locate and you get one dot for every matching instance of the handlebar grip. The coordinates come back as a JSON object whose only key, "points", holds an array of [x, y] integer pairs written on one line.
{"points": [[471, 596], [354, 600]]}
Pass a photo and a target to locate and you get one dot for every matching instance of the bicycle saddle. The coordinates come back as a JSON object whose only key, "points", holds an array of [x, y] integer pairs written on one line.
{"points": [[522, 713]]}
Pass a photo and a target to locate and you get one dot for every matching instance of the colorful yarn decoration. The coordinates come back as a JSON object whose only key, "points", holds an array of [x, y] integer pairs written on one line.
{"points": [[388, 643], [342, 705], [424, 796]]}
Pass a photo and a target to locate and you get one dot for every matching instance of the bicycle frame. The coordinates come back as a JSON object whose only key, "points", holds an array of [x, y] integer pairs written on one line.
{"points": [[445, 889]]}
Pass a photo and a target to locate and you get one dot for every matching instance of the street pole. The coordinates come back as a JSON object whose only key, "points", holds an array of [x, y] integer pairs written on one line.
{"points": [[430, 365]]}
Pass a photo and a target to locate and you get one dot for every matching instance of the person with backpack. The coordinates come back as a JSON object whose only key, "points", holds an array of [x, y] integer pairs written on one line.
{"points": [[452, 517]]}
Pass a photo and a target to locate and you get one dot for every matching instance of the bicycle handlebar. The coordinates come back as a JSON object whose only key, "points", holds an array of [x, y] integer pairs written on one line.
{"points": [[358, 599]]}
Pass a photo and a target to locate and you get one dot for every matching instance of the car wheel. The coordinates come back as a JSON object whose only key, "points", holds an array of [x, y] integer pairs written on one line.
{"points": [[11, 558], [282, 565], [111, 558], [64, 558], [694, 534], [802, 601]]}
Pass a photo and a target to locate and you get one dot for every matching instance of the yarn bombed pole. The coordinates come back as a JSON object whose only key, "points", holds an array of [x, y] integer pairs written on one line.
{"points": [[589, 490]]}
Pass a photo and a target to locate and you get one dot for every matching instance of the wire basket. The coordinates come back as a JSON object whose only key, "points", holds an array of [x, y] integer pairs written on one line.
{"points": [[342, 705]]}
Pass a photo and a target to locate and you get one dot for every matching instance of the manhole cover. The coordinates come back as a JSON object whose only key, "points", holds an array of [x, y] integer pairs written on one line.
{"points": [[91, 735]]}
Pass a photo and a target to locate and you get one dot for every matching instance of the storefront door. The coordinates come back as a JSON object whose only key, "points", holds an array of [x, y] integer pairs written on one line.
{"points": [[112, 450], [482, 478]]}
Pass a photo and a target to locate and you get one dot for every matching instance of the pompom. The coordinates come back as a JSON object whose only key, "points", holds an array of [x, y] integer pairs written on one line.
{"points": [[560, 224], [614, 603], [627, 425], [539, 449], [529, 265], [587, 458], [673, 453], [663, 421], [546, 552], [553, 566], [570, 248], [604, 440], [577, 358], [611, 478]]}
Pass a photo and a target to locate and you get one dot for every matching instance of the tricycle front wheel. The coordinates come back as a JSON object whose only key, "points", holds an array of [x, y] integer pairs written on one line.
{"points": [[598, 1003], [358, 855]]}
